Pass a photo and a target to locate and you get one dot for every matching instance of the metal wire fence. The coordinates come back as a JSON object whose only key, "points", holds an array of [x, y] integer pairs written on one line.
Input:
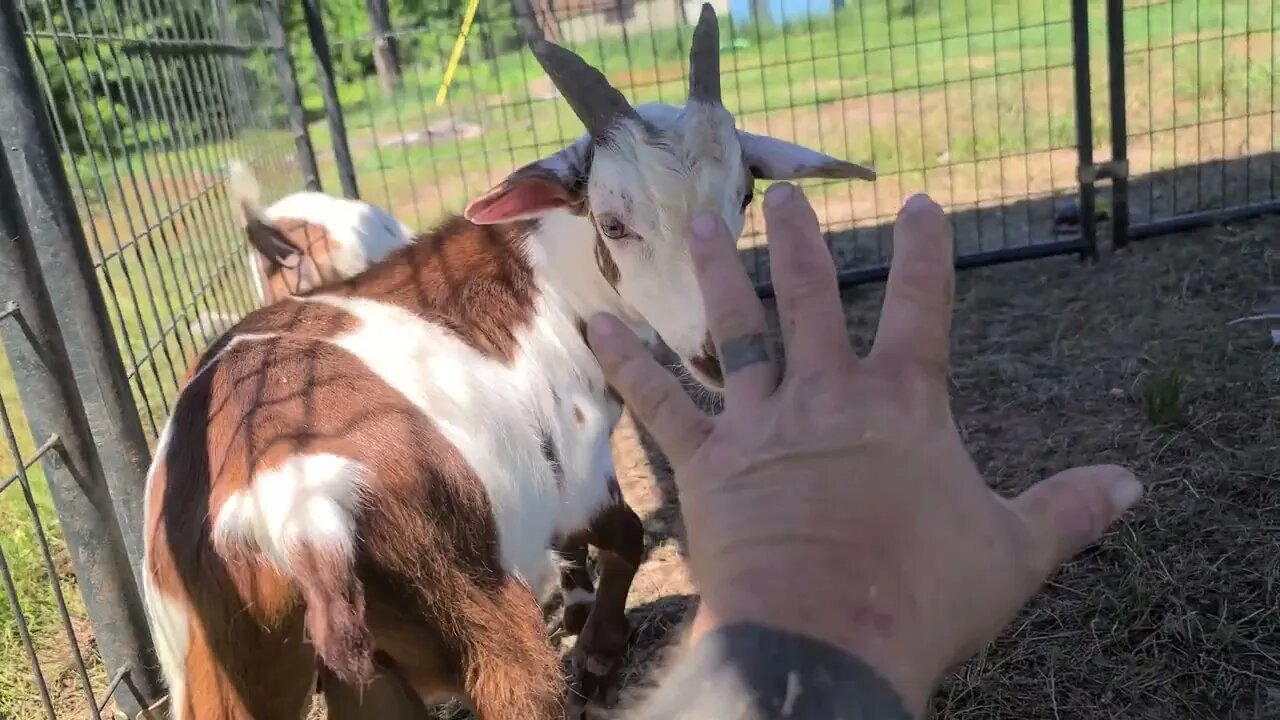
{"points": [[148, 177], [1200, 100], [971, 102], [978, 103], [1038, 125], [119, 187]]}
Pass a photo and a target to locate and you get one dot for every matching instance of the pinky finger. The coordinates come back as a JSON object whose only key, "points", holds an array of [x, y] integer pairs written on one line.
{"points": [[652, 393]]}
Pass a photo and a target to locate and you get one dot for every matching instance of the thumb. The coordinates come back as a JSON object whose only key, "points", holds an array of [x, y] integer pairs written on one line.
{"points": [[1069, 511]]}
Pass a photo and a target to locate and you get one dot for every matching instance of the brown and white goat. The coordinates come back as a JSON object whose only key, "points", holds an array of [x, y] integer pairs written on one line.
{"points": [[302, 241], [371, 476]]}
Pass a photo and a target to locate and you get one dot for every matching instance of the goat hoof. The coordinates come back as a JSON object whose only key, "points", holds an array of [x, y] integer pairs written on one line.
{"points": [[595, 677], [575, 709]]}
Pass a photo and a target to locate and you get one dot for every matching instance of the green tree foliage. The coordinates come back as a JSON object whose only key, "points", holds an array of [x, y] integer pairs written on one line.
{"points": [[116, 79], [119, 76]]}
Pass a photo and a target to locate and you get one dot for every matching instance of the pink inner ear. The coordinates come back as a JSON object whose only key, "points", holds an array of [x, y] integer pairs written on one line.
{"points": [[526, 197]]}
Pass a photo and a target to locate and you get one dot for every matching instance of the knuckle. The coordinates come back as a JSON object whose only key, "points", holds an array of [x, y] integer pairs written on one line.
{"points": [[652, 399], [632, 378], [1089, 514]]}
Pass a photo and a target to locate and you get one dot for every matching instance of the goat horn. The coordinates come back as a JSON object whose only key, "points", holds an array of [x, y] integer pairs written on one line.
{"points": [[596, 103], [704, 58]]}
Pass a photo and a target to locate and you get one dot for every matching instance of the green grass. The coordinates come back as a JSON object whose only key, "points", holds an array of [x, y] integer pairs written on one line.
{"points": [[916, 96]]}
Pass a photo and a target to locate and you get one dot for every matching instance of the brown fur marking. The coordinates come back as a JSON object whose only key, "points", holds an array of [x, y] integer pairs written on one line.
{"points": [[425, 597], [471, 279], [312, 267]]}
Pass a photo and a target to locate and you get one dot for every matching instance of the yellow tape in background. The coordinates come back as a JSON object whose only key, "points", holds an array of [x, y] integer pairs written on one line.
{"points": [[457, 51]]}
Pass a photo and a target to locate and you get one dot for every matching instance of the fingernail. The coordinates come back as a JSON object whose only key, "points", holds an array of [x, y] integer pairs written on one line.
{"points": [[1124, 491], [918, 202], [703, 225], [779, 193]]}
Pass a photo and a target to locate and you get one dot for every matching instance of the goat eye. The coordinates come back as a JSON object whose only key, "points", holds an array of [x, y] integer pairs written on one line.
{"points": [[612, 227], [746, 199]]}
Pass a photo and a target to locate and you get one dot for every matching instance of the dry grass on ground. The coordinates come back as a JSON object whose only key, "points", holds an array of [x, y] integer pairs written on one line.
{"points": [[1176, 613]]}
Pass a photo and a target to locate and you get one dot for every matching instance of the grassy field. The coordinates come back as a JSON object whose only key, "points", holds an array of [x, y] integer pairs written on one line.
{"points": [[972, 103]]}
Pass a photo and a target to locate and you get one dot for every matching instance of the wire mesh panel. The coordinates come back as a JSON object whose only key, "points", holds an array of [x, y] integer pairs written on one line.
{"points": [[971, 102], [42, 620], [150, 100], [1201, 107]]}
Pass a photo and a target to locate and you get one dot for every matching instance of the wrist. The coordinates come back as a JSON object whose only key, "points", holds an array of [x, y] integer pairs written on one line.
{"points": [[884, 650], [749, 671]]}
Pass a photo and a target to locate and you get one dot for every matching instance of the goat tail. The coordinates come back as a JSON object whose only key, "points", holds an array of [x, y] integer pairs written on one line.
{"points": [[245, 194]]}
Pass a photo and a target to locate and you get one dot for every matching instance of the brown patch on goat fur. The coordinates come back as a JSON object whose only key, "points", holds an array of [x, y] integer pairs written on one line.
{"points": [[472, 279]]}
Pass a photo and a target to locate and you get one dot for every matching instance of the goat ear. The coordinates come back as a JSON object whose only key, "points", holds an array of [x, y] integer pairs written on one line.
{"points": [[528, 193], [552, 183], [272, 243], [772, 159]]}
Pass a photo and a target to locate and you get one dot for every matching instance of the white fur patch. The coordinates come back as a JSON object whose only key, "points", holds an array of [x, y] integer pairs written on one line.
{"points": [[496, 416], [308, 500], [171, 633], [364, 234]]}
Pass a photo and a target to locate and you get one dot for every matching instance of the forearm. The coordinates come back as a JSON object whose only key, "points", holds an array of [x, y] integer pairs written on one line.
{"points": [[751, 672]]}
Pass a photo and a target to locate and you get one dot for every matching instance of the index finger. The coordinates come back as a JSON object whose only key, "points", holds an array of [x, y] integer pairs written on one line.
{"points": [[915, 321], [653, 394]]}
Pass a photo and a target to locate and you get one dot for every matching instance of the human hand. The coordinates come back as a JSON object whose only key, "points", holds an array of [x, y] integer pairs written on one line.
{"points": [[835, 498]]}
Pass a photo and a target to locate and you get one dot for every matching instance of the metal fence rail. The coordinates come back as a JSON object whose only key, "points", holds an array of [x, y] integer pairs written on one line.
{"points": [[1042, 127]]}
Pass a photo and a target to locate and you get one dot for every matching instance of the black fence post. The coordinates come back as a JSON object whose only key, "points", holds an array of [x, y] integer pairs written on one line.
{"points": [[54, 370], [50, 211], [1119, 127], [292, 97], [337, 126], [1086, 171]]}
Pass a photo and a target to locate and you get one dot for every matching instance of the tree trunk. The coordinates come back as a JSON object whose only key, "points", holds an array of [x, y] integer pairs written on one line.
{"points": [[385, 58]]}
